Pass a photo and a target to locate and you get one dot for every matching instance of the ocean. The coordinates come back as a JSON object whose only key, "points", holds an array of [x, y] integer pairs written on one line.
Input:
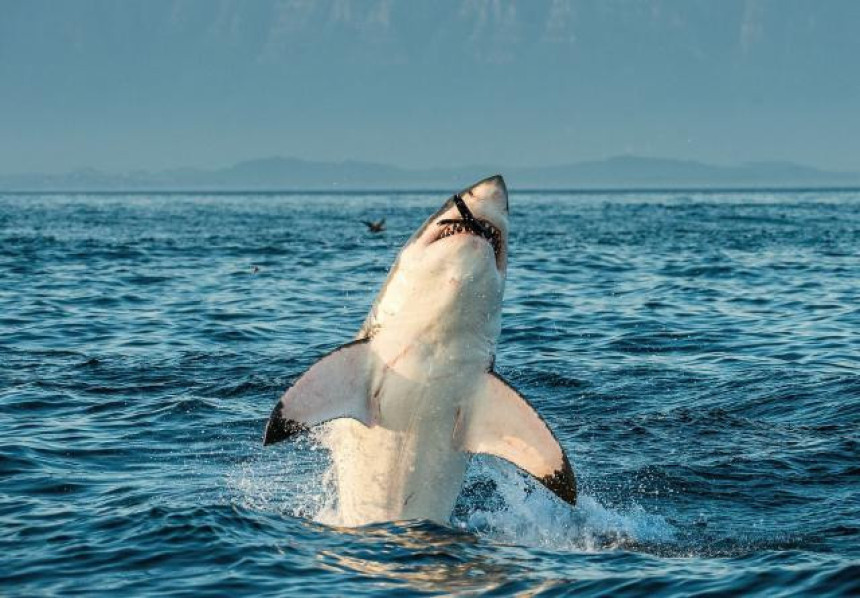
{"points": [[696, 353]]}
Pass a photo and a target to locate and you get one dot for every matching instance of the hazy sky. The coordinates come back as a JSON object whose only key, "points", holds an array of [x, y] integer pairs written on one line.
{"points": [[152, 84]]}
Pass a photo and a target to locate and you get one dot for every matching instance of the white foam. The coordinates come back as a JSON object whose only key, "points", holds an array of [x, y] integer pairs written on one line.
{"points": [[294, 479], [533, 517], [300, 482]]}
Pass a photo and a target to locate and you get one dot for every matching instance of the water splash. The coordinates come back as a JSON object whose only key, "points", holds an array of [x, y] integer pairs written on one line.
{"points": [[295, 479], [524, 513], [498, 503]]}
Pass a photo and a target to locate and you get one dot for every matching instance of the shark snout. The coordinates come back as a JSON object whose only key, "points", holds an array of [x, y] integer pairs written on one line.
{"points": [[491, 190]]}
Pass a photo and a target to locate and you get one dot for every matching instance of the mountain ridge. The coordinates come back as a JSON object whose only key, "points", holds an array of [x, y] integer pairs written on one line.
{"points": [[297, 174]]}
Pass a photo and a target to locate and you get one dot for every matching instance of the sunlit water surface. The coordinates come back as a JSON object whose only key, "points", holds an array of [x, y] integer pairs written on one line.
{"points": [[697, 355]]}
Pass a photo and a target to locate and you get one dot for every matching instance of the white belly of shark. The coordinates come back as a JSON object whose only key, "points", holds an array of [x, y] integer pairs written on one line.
{"points": [[415, 395]]}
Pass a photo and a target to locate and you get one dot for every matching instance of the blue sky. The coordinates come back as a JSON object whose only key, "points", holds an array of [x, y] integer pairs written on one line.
{"points": [[153, 84]]}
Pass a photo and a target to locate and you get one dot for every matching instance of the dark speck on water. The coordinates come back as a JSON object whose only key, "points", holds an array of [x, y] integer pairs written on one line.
{"points": [[697, 354]]}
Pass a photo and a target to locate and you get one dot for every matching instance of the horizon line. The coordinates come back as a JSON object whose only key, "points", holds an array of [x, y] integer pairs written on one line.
{"points": [[427, 191]]}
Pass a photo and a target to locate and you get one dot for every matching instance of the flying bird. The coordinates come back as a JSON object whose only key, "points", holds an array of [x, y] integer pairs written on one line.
{"points": [[375, 227]]}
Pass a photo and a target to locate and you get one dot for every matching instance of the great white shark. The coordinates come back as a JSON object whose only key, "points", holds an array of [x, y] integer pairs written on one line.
{"points": [[415, 394]]}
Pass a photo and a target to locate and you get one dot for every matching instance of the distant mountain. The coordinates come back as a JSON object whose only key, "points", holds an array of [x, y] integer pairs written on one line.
{"points": [[293, 174], [640, 172]]}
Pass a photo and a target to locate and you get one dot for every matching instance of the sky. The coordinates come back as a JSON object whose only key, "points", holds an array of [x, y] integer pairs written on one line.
{"points": [[158, 84]]}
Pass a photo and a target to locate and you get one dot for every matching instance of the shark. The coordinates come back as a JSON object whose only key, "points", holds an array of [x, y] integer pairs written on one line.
{"points": [[415, 394]]}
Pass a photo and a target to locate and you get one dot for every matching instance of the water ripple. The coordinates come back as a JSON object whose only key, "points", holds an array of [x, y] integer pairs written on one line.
{"points": [[696, 353]]}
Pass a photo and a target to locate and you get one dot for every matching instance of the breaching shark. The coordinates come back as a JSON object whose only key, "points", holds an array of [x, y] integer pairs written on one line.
{"points": [[416, 394]]}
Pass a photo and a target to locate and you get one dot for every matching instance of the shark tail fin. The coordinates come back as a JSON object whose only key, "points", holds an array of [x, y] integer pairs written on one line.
{"points": [[502, 423], [336, 386]]}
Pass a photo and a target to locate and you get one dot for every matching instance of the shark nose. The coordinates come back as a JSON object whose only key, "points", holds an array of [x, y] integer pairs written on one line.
{"points": [[491, 189]]}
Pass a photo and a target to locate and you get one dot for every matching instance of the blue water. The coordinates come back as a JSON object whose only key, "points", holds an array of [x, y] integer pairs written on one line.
{"points": [[698, 355]]}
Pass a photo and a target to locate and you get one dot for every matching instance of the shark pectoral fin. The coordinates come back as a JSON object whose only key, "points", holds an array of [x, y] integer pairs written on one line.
{"points": [[336, 386], [500, 422]]}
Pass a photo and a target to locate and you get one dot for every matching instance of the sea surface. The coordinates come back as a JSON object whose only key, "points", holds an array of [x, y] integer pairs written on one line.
{"points": [[697, 354]]}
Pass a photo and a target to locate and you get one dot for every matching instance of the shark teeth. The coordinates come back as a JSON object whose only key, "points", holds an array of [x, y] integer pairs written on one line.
{"points": [[456, 227]]}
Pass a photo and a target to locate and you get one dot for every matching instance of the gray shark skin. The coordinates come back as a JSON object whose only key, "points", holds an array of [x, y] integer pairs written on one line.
{"points": [[415, 395]]}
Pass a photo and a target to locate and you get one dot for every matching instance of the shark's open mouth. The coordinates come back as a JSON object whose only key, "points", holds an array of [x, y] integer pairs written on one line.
{"points": [[470, 225], [487, 231]]}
